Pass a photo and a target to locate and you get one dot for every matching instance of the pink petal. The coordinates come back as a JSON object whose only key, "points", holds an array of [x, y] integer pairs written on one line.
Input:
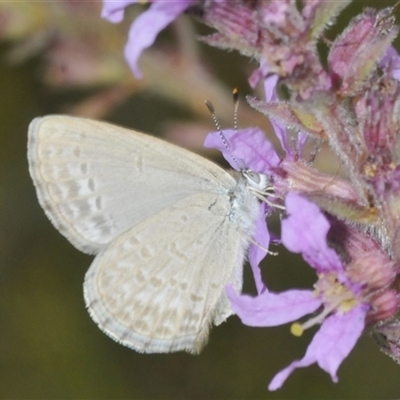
{"points": [[330, 345], [270, 82], [146, 27], [248, 146], [270, 309], [114, 10], [305, 231], [256, 254], [281, 134], [255, 77]]}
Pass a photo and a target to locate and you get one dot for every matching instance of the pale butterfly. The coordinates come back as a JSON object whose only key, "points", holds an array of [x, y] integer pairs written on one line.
{"points": [[169, 228]]}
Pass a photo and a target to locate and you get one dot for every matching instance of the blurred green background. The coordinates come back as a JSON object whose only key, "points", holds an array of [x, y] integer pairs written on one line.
{"points": [[49, 346]]}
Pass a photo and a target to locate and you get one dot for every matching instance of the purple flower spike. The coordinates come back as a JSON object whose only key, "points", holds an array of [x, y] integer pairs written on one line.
{"points": [[305, 231], [248, 146], [330, 345]]}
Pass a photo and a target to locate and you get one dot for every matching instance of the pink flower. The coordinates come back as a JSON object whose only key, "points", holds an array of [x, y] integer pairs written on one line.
{"points": [[343, 308], [250, 146]]}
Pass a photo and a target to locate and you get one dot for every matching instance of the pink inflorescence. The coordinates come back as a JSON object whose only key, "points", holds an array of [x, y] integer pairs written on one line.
{"points": [[347, 228]]}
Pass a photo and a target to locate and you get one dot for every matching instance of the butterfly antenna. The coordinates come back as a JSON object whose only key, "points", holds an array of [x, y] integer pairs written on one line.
{"points": [[221, 134], [217, 124], [235, 94]]}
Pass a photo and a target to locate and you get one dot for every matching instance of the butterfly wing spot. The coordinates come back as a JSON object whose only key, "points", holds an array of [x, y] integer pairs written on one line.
{"points": [[183, 286], [84, 168], [139, 277], [96, 222], [72, 210], [76, 151], [142, 326], [59, 171], [50, 153], [172, 282], [101, 225], [175, 252], [72, 190], [213, 285], [156, 282], [196, 298], [134, 240], [67, 190], [162, 331], [146, 252], [98, 203], [190, 321], [91, 185], [55, 192]]}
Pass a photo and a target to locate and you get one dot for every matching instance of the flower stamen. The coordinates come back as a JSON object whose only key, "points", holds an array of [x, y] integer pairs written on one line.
{"points": [[297, 329]]}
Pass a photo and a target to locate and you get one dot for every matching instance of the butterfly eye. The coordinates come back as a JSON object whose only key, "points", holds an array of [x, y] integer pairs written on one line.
{"points": [[256, 180]]}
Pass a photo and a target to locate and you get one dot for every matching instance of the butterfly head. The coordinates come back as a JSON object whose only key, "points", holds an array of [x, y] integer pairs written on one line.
{"points": [[260, 182]]}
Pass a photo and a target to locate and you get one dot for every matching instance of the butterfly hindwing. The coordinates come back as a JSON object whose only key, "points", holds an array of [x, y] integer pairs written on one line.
{"points": [[158, 287]]}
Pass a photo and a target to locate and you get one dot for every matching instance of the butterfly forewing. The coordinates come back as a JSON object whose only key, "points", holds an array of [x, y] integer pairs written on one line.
{"points": [[96, 180], [158, 287]]}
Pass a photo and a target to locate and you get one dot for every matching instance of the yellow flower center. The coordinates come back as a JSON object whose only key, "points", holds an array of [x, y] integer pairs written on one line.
{"points": [[335, 296]]}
